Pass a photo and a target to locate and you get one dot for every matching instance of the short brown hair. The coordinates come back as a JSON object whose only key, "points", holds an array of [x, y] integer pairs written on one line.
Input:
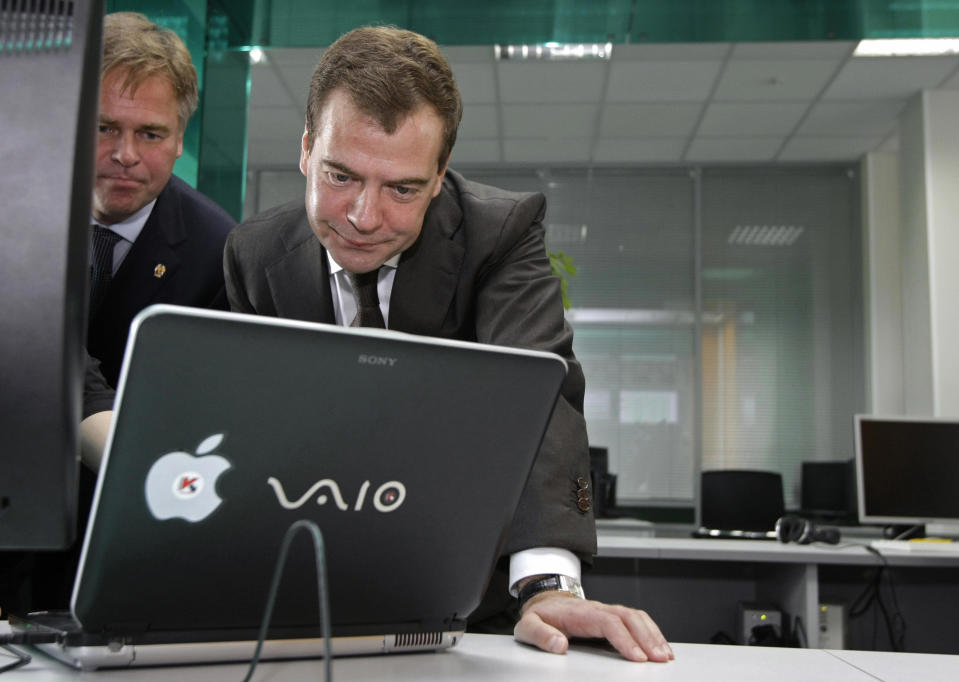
{"points": [[134, 44], [388, 73]]}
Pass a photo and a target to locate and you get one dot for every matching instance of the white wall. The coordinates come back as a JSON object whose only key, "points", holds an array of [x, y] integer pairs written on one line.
{"points": [[911, 257]]}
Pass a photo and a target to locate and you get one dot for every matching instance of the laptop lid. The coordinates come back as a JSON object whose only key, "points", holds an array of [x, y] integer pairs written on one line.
{"points": [[409, 452]]}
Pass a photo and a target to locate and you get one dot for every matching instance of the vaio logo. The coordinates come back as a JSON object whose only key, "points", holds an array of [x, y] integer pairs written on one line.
{"points": [[388, 497]]}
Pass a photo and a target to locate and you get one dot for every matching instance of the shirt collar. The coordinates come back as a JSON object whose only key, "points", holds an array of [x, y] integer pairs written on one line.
{"points": [[130, 228], [336, 267]]}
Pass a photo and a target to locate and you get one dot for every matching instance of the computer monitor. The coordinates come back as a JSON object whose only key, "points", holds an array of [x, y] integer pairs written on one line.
{"points": [[49, 77], [907, 470], [828, 490]]}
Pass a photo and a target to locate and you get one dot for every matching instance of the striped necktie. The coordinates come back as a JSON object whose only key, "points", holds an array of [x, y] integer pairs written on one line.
{"points": [[101, 269]]}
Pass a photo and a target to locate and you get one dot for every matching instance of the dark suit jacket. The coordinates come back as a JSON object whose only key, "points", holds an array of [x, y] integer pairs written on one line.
{"points": [[478, 272], [185, 233]]}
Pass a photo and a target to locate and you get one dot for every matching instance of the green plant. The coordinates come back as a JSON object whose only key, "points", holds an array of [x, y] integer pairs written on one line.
{"points": [[562, 267]]}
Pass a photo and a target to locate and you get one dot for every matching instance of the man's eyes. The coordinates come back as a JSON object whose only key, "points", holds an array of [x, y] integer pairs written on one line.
{"points": [[149, 135], [401, 192]]}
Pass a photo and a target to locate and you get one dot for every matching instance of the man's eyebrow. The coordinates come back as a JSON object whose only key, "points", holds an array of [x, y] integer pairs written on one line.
{"points": [[419, 182], [150, 127]]}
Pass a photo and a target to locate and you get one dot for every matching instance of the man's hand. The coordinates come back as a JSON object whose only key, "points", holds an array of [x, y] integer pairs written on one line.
{"points": [[549, 618]]}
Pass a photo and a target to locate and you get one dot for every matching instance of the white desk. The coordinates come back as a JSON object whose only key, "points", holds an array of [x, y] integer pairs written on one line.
{"points": [[788, 575], [499, 658]]}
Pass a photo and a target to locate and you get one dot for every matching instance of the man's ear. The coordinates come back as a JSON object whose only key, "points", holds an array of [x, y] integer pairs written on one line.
{"points": [[439, 179], [304, 151]]}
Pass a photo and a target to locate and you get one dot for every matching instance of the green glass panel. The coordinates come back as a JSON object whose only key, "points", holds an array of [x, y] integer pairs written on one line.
{"points": [[310, 23], [222, 174]]}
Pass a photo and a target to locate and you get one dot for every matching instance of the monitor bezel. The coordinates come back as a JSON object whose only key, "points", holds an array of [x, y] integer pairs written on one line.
{"points": [[878, 519]]}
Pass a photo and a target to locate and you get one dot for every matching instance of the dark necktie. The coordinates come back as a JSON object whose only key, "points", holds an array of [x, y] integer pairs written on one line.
{"points": [[101, 269], [368, 312]]}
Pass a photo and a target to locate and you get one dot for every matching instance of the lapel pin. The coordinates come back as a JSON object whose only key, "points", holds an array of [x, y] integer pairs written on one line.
{"points": [[159, 270]]}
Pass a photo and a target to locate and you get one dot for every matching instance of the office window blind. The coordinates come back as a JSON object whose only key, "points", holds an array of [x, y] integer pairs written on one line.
{"points": [[762, 370]]}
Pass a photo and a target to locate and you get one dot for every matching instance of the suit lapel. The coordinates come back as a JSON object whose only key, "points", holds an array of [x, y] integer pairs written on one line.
{"points": [[429, 271], [152, 260], [299, 281]]}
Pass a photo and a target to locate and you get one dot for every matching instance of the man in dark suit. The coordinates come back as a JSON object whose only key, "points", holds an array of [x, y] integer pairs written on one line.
{"points": [[388, 236], [163, 239]]}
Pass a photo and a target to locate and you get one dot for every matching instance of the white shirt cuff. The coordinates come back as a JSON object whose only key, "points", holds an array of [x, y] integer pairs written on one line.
{"points": [[542, 561]]}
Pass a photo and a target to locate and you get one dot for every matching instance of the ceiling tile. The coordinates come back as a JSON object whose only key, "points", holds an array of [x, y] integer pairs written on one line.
{"points": [[640, 150], [475, 151], [828, 148], [729, 149], [554, 120], [875, 117], [649, 120], [661, 81], [884, 78], [275, 122], [295, 56], [282, 153], [479, 120], [543, 81], [476, 82], [266, 90], [671, 52], [544, 150], [813, 49], [775, 79], [952, 83], [751, 119], [461, 54]]}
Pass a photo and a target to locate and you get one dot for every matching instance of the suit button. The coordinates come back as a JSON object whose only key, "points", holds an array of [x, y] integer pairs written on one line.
{"points": [[582, 482], [583, 504]]}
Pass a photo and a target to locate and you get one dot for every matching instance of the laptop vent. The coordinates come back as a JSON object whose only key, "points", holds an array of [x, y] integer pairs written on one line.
{"points": [[418, 639], [35, 25]]}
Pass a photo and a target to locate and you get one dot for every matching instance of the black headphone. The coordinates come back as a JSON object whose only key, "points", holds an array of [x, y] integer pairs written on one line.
{"points": [[803, 531]]}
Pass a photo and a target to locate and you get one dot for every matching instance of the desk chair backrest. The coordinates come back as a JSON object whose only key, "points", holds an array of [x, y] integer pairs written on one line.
{"points": [[735, 499]]}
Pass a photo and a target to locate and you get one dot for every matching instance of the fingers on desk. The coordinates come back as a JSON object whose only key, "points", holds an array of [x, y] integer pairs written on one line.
{"points": [[547, 623]]}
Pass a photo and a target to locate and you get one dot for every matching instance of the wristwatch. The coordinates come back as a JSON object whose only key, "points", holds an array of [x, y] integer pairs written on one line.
{"points": [[555, 583]]}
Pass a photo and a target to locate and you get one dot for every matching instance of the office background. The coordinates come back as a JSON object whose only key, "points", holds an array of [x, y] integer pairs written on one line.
{"points": [[762, 222]]}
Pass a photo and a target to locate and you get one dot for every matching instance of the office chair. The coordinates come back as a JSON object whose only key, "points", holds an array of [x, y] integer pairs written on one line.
{"points": [[743, 500]]}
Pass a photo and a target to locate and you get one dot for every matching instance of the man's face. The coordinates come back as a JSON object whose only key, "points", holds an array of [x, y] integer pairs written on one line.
{"points": [[138, 142], [367, 191]]}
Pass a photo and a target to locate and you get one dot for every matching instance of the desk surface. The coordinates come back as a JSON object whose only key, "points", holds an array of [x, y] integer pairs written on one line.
{"points": [[705, 549], [500, 658]]}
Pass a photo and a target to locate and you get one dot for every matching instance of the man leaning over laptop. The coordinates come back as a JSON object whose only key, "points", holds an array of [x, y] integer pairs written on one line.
{"points": [[449, 258]]}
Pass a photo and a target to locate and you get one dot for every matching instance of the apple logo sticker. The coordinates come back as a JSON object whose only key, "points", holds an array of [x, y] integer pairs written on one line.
{"points": [[181, 485]]}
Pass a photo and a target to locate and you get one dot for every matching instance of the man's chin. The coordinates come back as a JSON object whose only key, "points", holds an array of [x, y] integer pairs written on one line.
{"points": [[359, 260]]}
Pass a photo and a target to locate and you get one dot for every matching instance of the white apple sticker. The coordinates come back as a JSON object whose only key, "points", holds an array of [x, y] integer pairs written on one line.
{"points": [[183, 485]]}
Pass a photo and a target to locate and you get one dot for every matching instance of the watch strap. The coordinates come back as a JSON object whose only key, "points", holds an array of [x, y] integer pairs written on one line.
{"points": [[551, 583]]}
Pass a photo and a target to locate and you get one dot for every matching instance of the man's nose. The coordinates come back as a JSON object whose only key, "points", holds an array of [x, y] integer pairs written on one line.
{"points": [[365, 212], [125, 150]]}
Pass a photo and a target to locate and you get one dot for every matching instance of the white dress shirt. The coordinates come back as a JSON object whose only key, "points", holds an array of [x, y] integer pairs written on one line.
{"points": [[128, 230]]}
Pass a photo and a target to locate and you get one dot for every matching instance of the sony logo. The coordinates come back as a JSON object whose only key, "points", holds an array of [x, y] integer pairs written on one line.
{"points": [[377, 360]]}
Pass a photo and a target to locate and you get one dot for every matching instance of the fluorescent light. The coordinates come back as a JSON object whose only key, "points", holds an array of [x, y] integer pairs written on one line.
{"points": [[907, 47], [555, 51], [257, 55], [765, 235]]}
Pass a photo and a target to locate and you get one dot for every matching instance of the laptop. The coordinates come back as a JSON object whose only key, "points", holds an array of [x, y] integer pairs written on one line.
{"points": [[410, 453]]}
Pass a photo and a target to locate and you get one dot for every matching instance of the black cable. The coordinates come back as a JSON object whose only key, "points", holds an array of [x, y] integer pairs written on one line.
{"points": [[22, 658], [314, 531], [895, 623], [799, 634]]}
